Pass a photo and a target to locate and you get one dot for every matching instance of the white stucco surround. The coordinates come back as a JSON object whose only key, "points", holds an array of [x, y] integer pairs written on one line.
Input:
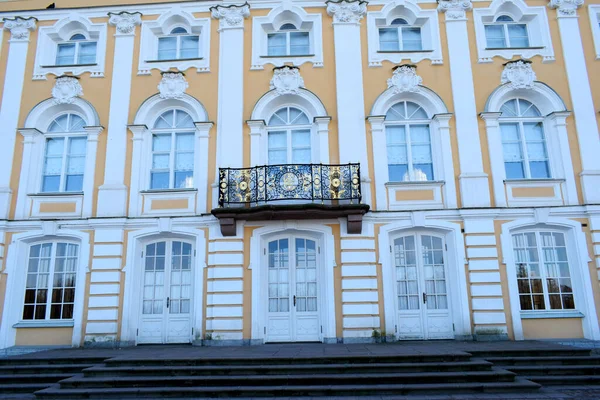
{"points": [[326, 304], [577, 253], [136, 240], [455, 258], [16, 271]]}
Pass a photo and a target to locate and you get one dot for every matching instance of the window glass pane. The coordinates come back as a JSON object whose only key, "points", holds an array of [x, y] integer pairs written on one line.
{"points": [[415, 111], [178, 30], [301, 139], [189, 46], [164, 121], [65, 54], [388, 39], [276, 44], [159, 180], [277, 140], [287, 27], [183, 120], [167, 48], [53, 165], [411, 39], [526, 109], [76, 123], [517, 35], [279, 118], [184, 179], [87, 53], [495, 36], [184, 141], [509, 109], [51, 183], [161, 143], [74, 183], [504, 18], [299, 43], [423, 172]]}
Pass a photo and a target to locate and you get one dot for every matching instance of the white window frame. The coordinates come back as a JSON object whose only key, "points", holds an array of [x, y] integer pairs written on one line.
{"points": [[288, 42], [538, 30], [506, 33], [151, 31], [271, 23], [399, 29], [173, 133], [68, 136], [594, 12], [178, 37], [427, 20], [61, 32], [288, 133], [77, 43]]}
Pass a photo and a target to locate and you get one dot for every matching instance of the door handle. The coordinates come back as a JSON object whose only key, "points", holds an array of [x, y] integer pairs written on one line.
{"points": [[424, 297], [294, 300], [168, 301]]}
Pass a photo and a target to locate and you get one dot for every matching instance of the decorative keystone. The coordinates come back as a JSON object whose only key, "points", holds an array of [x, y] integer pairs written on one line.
{"points": [[172, 85], [518, 74], [286, 80], [66, 89], [405, 79]]}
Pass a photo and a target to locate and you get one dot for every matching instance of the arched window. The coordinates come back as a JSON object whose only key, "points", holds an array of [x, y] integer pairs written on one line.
{"points": [[504, 32], [400, 36], [178, 45], [523, 141], [289, 137], [64, 157], [172, 151], [79, 50], [288, 41], [408, 143]]}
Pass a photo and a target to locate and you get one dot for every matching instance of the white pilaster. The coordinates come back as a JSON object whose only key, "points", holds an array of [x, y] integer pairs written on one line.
{"points": [[230, 110], [349, 86], [581, 96], [138, 165], [112, 195], [379, 163], [494, 138], [30, 137], [257, 131], [90, 168], [201, 165], [473, 181], [323, 137], [11, 102], [442, 122]]}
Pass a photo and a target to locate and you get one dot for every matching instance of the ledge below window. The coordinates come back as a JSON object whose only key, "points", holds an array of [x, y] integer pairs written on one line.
{"points": [[289, 56], [403, 51], [175, 60], [169, 201], [417, 194], [534, 192], [68, 65], [44, 324], [551, 314], [53, 205], [516, 48]]}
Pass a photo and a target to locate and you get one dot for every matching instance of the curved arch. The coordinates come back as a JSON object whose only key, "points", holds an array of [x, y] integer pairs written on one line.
{"points": [[429, 100], [401, 9], [271, 101], [46, 111], [287, 14], [154, 106], [513, 8], [174, 19], [541, 95], [73, 24]]}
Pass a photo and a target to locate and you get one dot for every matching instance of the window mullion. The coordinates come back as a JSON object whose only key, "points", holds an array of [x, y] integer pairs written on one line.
{"points": [[543, 271], [172, 162], [524, 150], [400, 44], [63, 167], [505, 26], [408, 151], [50, 279], [288, 44], [289, 150], [177, 50]]}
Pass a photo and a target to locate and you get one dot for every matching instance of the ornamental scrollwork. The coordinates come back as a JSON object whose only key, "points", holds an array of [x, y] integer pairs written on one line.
{"points": [[405, 79], [455, 9], [172, 85], [66, 89], [286, 80], [566, 8], [125, 22], [231, 16], [518, 74], [345, 11], [20, 27]]}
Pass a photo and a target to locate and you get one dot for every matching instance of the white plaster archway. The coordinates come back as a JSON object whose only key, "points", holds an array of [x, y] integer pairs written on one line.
{"points": [[42, 115]]}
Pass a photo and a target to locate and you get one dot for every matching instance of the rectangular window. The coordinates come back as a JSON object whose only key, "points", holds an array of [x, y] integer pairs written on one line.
{"points": [[87, 53], [524, 148], [65, 54], [288, 44], [494, 35], [76, 53], [400, 39], [189, 46], [64, 164], [50, 282], [172, 161], [167, 48], [543, 275], [507, 36], [409, 156], [299, 43]]}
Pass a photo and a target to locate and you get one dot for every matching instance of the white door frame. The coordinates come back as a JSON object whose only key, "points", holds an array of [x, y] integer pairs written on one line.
{"points": [[455, 266], [326, 260], [136, 241]]}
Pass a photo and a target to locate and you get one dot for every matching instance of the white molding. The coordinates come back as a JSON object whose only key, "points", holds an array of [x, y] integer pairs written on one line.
{"points": [[50, 36], [177, 16], [415, 16], [286, 13], [594, 12], [538, 29], [15, 279], [579, 258]]}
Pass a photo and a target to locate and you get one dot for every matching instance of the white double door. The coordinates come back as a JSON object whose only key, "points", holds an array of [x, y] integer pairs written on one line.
{"points": [[292, 290], [166, 293], [422, 296]]}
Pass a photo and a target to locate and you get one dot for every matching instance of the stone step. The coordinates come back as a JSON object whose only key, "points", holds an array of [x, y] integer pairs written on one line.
{"points": [[532, 352], [554, 369], [555, 360], [520, 386], [38, 378], [50, 360], [292, 380], [6, 388], [565, 380], [285, 360], [43, 368], [216, 370]]}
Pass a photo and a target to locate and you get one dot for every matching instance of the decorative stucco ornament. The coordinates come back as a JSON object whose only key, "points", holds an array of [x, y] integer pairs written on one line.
{"points": [[566, 8], [172, 85], [286, 80], [518, 74], [405, 79], [19, 27], [66, 89], [125, 21], [231, 16], [345, 11], [455, 9]]}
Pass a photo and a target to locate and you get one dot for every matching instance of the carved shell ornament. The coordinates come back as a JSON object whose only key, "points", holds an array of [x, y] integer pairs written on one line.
{"points": [[405, 79], [286, 80], [66, 89], [172, 85], [518, 74], [347, 11]]}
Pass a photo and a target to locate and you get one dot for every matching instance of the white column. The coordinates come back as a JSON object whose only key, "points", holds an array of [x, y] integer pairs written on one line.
{"points": [[349, 86], [473, 181], [257, 130], [230, 112], [11, 102], [112, 195], [581, 96], [90, 168], [379, 163], [138, 168], [323, 137], [201, 165]]}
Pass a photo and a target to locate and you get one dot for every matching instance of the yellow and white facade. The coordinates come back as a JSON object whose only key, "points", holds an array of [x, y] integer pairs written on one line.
{"points": [[474, 123]]}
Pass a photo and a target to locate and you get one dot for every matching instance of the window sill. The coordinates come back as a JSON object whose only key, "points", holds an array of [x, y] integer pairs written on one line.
{"points": [[45, 324], [416, 183], [403, 51], [169, 190], [175, 60], [551, 314], [534, 180], [289, 56], [68, 65], [516, 48], [55, 194]]}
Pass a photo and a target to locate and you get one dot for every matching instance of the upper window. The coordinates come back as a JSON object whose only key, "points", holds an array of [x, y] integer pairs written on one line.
{"points": [[543, 275], [289, 41], [173, 151], [50, 282], [289, 137], [594, 12], [178, 45], [400, 36], [78, 50], [523, 141], [64, 157], [408, 143], [506, 33]]}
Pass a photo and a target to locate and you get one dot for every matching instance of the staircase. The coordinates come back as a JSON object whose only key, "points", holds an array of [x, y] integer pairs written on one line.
{"points": [[351, 375]]}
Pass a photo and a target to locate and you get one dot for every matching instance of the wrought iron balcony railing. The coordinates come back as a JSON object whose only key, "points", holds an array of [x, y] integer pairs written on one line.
{"points": [[305, 183]]}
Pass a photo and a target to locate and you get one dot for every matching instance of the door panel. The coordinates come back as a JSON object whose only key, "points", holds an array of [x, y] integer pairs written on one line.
{"points": [[410, 324], [179, 311], [279, 320]]}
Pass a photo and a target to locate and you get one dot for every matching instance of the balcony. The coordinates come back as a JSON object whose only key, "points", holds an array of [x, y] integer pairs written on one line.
{"points": [[290, 191]]}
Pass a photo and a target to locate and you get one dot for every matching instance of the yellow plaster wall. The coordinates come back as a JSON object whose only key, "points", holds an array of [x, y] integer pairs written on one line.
{"points": [[552, 328], [43, 336]]}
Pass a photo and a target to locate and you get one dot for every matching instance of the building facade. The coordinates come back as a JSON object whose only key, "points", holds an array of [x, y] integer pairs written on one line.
{"points": [[281, 171]]}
